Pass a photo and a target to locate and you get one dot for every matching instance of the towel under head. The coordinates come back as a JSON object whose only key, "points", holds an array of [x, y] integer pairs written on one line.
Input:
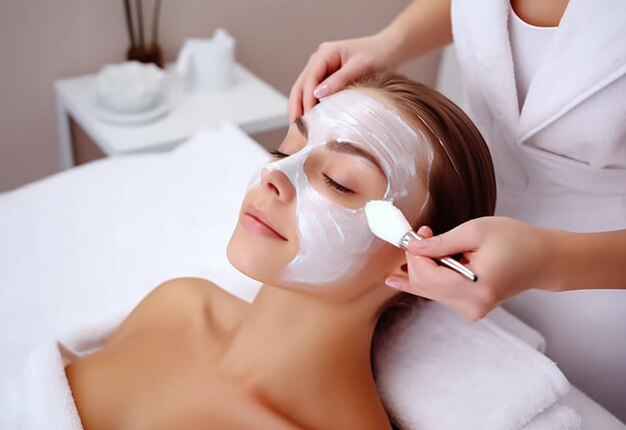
{"points": [[435, 370]]}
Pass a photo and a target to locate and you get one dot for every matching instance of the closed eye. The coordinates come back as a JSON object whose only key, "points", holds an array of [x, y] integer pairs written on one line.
{"points": [[331, 183], [278, 154], [337, 186]]}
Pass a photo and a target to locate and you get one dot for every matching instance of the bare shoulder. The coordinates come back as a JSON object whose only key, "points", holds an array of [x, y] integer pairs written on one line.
{"points": [[183, 301]]}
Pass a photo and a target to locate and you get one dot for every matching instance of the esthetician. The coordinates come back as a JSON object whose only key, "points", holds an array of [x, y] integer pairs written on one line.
{"points": [[545, 82]]}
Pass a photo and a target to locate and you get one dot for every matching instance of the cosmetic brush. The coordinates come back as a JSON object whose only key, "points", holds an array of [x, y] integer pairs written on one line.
{"points": [[388, 223]]}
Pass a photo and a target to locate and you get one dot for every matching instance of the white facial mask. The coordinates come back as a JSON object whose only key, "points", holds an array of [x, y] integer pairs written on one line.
{"points": [[334, 240]]}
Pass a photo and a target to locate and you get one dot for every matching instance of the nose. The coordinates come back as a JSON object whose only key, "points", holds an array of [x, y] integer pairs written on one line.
{"points": [[278, 184]]}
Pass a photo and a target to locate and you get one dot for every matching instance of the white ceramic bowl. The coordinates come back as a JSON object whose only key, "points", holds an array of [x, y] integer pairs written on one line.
{"points": [[130, 87]]}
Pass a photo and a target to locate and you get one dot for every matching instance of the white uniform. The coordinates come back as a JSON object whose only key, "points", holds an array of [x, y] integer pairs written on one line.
{"points": [[560, 162]]}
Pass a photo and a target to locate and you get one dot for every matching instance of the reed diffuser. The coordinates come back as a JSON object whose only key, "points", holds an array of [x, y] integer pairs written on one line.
{"points": [[139, 50]]}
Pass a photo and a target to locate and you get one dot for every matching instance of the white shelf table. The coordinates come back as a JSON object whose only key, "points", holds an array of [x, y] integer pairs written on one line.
{"points": [[251, 104]]}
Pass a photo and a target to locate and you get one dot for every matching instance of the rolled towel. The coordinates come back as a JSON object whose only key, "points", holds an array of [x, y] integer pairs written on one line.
{"points": [[513, 325], [437, 371], [556, 417]]}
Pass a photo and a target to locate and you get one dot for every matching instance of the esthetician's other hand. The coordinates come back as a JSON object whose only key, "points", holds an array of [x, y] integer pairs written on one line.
{"points": [[421, 27], [508, 257], [334, 65]]}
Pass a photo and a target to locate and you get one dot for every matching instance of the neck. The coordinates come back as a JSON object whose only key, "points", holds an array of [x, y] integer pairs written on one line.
{"points": [[293, 347]]}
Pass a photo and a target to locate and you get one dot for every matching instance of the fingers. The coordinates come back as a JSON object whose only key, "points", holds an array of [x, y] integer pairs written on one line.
{"points": [[425, 232], [459, 240], [296, 96], [337, 81], [427, 279], [485, 243], [318, 69], [325, 61], [333, 66], [295, 100]]}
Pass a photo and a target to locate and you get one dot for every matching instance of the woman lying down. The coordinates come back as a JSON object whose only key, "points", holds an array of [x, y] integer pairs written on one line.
{"points": [[191, 355]]}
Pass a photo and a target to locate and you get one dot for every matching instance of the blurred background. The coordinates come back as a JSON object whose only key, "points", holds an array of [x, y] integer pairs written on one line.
{"points": [[43, 41]]}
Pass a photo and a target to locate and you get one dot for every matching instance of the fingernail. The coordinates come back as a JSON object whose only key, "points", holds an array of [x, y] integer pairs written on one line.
{"points": [[321, 91], [392, 284]]}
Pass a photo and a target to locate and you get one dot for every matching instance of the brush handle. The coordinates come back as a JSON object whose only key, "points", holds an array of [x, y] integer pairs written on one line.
{"points": [[446, 261]]}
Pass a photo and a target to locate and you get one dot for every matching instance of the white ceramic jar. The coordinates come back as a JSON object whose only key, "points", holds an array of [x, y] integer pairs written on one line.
{"points": [[130, 87]]}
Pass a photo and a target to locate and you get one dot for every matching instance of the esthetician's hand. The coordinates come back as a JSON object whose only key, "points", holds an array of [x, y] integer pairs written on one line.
{"points": [[333, 65], [508, 257]]}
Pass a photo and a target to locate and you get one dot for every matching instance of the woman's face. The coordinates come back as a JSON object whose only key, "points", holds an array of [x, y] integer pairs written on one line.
{"points": [[302, 223]]}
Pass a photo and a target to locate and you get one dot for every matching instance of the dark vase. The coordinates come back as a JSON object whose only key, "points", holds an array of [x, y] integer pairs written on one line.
{"points": [[151, 54]]}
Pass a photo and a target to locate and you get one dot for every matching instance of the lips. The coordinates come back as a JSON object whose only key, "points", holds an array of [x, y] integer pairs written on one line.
{"points": [[256, 222]]}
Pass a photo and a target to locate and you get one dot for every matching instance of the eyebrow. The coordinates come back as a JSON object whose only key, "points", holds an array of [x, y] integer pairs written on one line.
{"points": [[343, 147], [350, 148]]}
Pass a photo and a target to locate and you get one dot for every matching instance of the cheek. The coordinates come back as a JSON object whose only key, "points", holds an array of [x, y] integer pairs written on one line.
{"points": [[334, 241]]}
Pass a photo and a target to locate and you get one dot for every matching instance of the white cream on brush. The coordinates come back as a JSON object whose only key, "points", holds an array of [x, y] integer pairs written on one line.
{"points": [[388, 223]]}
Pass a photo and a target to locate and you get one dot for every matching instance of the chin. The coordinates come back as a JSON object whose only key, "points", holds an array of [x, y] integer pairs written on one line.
{"points": [[255, 262], [239, 262]]}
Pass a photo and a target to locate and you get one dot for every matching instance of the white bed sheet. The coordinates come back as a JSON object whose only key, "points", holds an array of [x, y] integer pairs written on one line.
{"points": [[88, 244], [93, 241]]}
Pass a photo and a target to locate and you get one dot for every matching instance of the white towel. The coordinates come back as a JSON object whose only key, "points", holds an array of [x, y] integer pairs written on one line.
{"points": [[35, 393], [435, 371], [556, 417], [516, 327]]}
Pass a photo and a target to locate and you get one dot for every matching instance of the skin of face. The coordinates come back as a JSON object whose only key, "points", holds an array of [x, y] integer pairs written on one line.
{"points": [[266, 238]]}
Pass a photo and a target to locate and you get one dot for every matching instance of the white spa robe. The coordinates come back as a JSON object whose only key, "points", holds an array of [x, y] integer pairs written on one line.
{"points": [[560, 162]]}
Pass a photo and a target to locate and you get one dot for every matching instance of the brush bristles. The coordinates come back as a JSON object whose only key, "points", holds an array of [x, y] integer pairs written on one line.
{"points": [[386, 221]]}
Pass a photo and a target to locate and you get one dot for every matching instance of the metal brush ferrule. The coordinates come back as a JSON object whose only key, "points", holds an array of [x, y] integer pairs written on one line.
{"points": [[410, 235], [446, 261]]}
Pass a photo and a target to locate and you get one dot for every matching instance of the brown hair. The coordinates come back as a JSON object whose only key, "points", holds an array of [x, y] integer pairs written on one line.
{"points": [[461, 181]]}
